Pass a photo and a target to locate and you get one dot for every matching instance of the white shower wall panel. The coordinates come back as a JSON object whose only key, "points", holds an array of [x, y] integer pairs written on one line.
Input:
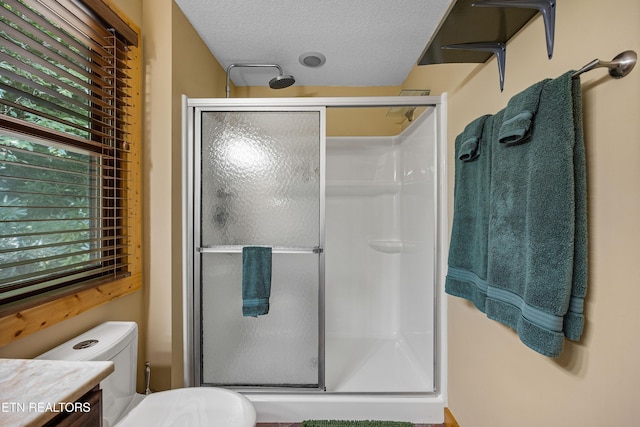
{"points": [[360, 283], [361, 206], [366, 159], [379, 270], [418, 218]]}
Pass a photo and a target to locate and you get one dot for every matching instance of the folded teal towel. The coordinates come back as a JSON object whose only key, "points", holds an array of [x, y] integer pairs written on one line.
{"points": [[467, 273], [537, 260], [468, 148], [256, 280], [518, 115]]}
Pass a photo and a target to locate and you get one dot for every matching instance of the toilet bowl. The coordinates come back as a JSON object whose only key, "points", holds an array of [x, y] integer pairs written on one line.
{"points": [[197, 406], [122, 407]]}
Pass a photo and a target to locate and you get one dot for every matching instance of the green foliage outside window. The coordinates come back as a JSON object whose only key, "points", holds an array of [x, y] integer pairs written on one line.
{"points": [[47, 209]]}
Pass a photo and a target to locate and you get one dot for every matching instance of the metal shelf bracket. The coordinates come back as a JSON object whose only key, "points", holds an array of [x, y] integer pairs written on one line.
{"points": [[497, 48], [546, 7]]}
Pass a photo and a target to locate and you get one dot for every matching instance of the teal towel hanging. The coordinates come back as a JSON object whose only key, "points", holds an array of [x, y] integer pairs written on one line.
{"points": [[256, 280], [519, 236]]}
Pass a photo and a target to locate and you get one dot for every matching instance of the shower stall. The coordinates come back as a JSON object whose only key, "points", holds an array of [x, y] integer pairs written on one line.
{"points": [[357, 229]]}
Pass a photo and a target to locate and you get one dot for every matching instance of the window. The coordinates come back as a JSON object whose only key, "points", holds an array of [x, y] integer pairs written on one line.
{"points": [[66, 158]]}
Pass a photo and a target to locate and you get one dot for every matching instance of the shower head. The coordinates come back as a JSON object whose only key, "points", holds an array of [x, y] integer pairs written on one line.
{"points": [[279, 82]]}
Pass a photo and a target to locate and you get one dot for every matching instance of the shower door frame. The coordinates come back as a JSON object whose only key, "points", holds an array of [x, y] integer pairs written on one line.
{"points": [[191, 108], [194, 173]]}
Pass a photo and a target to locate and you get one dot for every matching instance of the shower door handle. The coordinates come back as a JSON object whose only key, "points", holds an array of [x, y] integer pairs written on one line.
{"points": [[274, 249]]}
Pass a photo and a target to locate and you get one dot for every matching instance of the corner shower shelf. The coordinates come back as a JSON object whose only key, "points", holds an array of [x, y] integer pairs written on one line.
{"points": [[362, 188], [392, 246]]}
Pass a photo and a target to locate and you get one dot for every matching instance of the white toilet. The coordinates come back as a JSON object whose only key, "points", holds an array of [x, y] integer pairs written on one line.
{"points": [[122, 407]]}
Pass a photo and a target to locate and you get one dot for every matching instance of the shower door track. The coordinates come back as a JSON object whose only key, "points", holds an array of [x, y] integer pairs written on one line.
{"points": [[334, 102]]}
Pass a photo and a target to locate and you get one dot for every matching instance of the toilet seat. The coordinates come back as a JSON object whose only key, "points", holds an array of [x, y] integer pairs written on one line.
{"points": [[193, 407]]}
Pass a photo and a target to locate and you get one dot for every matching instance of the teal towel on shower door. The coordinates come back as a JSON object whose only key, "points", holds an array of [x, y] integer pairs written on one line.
{"points": [[256, 280]]}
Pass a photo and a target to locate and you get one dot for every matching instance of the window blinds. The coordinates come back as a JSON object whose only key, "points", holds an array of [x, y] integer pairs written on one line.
{"points": [[64, 139]]}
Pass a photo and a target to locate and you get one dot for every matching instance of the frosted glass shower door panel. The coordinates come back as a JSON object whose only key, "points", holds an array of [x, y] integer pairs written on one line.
{"points": [[260, 185], [279, 349], [261, 178]]}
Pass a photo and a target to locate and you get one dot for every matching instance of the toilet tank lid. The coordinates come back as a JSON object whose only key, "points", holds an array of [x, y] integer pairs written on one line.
{"points": [[103, 342]]}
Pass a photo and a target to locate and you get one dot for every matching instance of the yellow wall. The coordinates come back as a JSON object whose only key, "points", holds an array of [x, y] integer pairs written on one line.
{"points": [[340, 121], [158, 167], [177, 62], [196, 73], [494, 380]]}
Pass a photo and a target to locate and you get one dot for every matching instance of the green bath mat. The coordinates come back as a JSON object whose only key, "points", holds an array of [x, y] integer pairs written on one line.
{"points": [[324, 423]]}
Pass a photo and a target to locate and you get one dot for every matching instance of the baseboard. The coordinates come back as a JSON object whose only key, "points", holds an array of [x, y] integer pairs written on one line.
{"points": [[449, 419]]}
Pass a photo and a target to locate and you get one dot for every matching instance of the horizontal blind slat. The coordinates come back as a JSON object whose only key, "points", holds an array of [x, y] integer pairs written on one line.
{"points": [[104, 188], [60, 256], [53, 92], [27, 194], [116, 229], [72, 52], [59, 244], [37, 96], [8, 146], [61, 220], [53, 271], [55, 23], [51, 57], [68, 12], [53, 118]]}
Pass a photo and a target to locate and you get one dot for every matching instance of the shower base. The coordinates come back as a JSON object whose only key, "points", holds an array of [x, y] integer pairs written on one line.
{"points": [[280, 408], [299, 425], [366, 378], [367, 365]]}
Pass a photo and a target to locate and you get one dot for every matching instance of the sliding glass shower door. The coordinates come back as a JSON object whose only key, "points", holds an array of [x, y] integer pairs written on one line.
{"points": [[259, 176]]}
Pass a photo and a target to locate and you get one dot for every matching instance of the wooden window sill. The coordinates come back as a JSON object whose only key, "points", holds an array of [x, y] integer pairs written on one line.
{"points": [[19, 324]]}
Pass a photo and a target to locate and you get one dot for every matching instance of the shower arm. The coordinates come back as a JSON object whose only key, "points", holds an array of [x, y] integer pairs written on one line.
{"points": [[228, 87]]}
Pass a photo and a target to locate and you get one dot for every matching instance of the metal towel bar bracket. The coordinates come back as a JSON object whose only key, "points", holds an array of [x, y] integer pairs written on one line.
{"points": [[618, 67]]}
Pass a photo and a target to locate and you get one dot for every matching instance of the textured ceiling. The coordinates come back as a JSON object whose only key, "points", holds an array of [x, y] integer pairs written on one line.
{"points": [[365, 42]]}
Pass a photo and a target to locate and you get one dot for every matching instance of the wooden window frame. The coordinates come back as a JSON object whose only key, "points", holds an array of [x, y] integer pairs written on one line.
{"points": [[34, 314]]}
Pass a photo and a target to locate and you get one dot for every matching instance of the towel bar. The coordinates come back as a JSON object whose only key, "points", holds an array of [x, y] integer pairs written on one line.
{"points": [[233, 249]]}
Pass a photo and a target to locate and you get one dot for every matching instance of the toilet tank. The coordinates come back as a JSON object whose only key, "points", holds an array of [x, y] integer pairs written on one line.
{"points": [[110, 341]]}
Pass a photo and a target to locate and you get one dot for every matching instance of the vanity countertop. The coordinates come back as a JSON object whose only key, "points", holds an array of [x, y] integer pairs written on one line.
{"points": [[34, 391]]}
